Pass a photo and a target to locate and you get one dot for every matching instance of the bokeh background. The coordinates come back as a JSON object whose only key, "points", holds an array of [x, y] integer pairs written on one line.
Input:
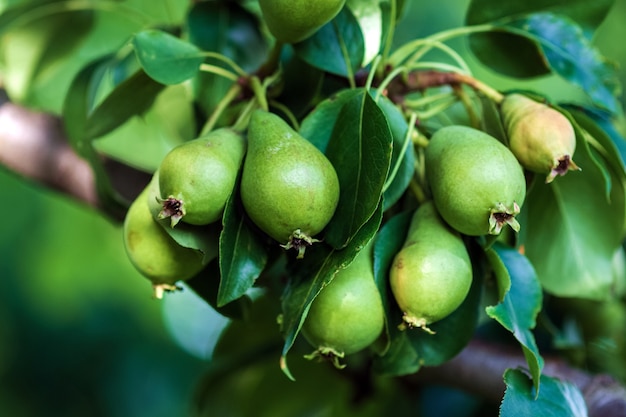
{"points": [[80, 334]]}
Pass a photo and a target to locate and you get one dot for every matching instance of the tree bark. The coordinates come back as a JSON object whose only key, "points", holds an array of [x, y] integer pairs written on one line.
{"points": [[34, 145]]}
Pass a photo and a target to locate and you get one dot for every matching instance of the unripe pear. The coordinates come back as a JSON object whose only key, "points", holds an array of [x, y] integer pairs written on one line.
{"points": [[197, 177], [292, 21], [432, 274], [476, 182], [541, 137], [347, 315], [152, 251], [289, 188]]}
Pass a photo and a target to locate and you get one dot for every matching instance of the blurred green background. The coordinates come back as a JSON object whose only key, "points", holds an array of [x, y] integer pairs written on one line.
{"points": [[80, 334]]}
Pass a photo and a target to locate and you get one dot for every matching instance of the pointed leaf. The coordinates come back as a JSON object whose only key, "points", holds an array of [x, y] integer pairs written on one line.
{"points": [[360, 151], [369, 15], [318, 126], [243, 255], [166, 58], [403, 156], [132, 97], [338, 47], [310, 274], [520, 301], [556, 398]]}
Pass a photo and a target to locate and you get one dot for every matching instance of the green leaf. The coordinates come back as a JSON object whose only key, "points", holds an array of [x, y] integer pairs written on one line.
{"points": [[389, 240], [520, 301], [318, 125], [309, 275], [338, 47], [360, 151], [406, 166], [242, 254], [604, 136], [132, 97], [369, 15], [75, 114], [166, 58], [572, 230], [228, 29], [570, 54], [556, 398], [494, 48]]}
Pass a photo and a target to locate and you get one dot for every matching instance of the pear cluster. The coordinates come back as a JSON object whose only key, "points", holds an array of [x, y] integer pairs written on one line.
{"points": [[288, 188]]}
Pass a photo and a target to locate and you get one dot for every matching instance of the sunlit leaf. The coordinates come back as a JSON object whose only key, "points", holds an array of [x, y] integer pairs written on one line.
{"points": [[360, 151], [520, 301], [555, 399], [370, 17], [166, 58]]}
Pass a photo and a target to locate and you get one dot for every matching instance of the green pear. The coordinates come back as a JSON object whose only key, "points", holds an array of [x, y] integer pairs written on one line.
{"points": [[541, 137], [477, 183], [289, 189], [432, 274], [152, 251], [292, 21], [197, 177], [347, 315]]}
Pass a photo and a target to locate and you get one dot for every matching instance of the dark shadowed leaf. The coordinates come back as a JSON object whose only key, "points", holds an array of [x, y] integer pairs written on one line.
{"points": [[360, 151], [570, 54], [494, 49], [243, 255], [402, 156]]}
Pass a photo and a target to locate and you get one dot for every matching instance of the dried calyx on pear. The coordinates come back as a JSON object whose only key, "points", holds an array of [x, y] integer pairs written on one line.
{"points": [[542, 138]]}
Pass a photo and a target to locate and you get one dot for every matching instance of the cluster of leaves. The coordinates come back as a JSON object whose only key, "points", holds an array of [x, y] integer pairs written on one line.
{"points": [[166, 77]]}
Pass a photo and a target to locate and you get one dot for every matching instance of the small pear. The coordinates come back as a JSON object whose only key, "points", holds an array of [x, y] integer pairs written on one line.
{"points": [[289, 188], [152, 251], [292, 21], [347, 315], [432, 274], [541, 137], [197, 177]]}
